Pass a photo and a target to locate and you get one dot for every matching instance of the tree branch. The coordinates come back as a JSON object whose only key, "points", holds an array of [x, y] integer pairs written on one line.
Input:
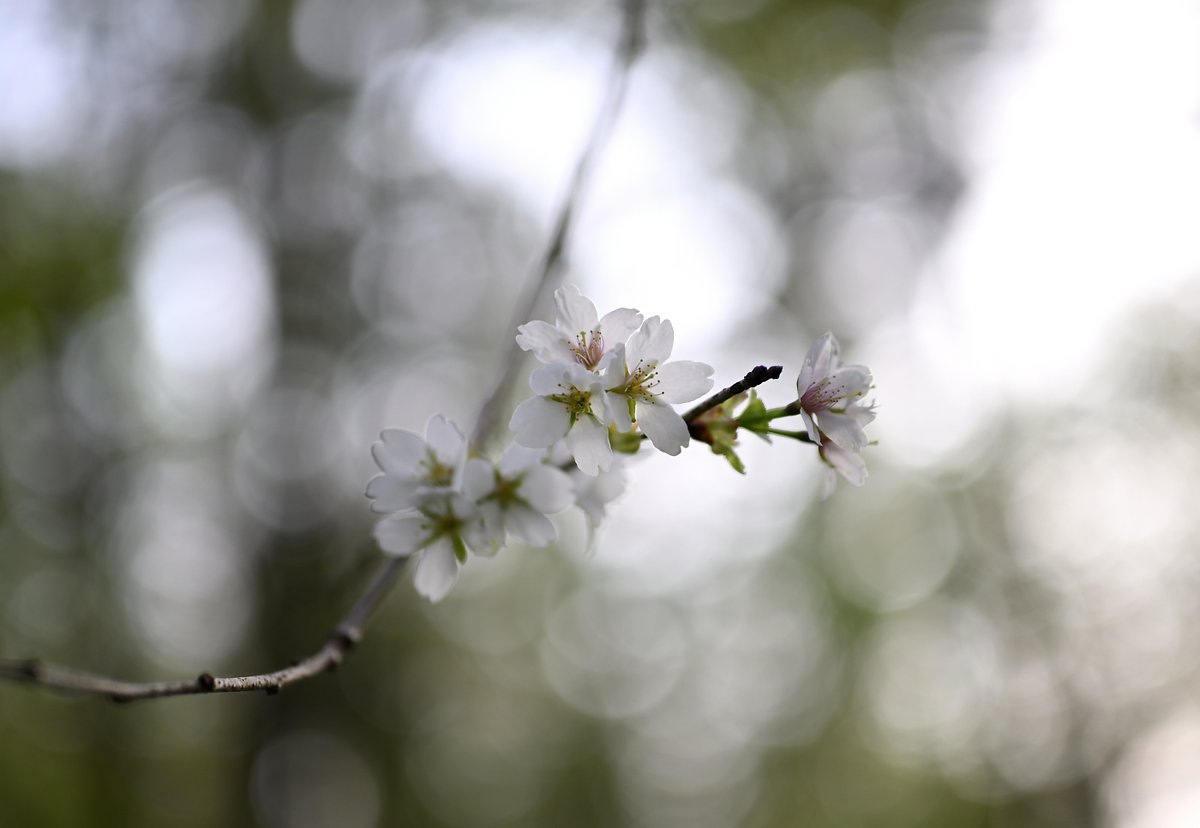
{"points": [[351, 628], [628, 48], [340, 642], [754, 378]]}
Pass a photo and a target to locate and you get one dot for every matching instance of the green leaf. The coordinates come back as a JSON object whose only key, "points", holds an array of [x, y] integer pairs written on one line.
{"points": [[754, 416]]}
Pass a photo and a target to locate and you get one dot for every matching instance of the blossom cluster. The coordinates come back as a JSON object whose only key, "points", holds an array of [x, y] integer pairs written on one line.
{"points": [[603, 381]]}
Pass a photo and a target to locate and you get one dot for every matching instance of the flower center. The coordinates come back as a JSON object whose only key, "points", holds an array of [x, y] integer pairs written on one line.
{"points": [[641, 382], [506, 492], [822, 394], [588, 348], [436, 472], [577, 401]]}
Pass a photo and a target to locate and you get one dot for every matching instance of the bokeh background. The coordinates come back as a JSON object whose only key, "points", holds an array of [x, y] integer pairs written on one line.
{"points": [[237, 239]]}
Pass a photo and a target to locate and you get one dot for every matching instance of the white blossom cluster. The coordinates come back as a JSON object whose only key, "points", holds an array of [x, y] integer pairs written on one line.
{"points": [[600, 378], [597, 373]]}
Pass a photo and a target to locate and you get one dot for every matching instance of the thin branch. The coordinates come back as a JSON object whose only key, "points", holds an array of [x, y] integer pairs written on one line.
{"points": [[628, 48], [351, 628], [754, 378], [340, 642]]}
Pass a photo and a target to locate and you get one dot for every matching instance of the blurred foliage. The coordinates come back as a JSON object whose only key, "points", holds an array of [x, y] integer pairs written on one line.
{"points": [[184, 423]]}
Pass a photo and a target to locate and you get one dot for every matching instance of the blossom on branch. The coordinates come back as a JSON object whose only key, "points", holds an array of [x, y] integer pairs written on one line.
{"points": [[570, 404], [515, 495], [413, 466], [823, 384], [641, 385], [442, 528], [578, 334]]}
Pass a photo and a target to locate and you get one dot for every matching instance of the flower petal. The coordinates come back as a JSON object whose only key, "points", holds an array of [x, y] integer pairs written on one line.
{"points": [[593, 494], [663, 425], [390, 493], [546, 489], [399, 452], [810, 425], [616, 409], [479, 478], [576, 313], [549, 379], [531, 527], [849, 464], [547, 342], [843, 429], [401, 536], [651, 343], [588, 441], [539, 421], [437, 570], [817, 362], [518, 458], [446, 441], [683, 381], [618, 325]]}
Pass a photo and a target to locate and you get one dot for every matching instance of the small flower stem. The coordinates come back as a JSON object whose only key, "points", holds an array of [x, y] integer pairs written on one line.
{"points": [[802, 436]]}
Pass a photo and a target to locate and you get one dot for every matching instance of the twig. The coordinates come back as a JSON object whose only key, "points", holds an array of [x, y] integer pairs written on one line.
{"points": [[754, 378], [347, 633], [628, 49], [350, 630]]}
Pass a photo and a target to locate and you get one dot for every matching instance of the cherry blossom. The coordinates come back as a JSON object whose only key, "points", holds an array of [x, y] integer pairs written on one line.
{"points": [[824, 383], [578, 334], [642, 385]]}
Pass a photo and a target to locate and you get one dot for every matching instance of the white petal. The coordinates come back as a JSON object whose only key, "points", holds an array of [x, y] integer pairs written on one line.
{"points": [[549, 379], [483, 538], [539, 421], [651, 343], [850, 381], [576, 313], [663, 425], [531, 527], [479, 478], [518, 458], [446, 441], [616, 411], [810, 426], [816, 362], [588, 441], [843, 430], [618, 325], [401, 536], [399, 452], [389, 493], [437, 570], [849, 464], [547, 342], [683, 381], [592, 494], [546, 489]]}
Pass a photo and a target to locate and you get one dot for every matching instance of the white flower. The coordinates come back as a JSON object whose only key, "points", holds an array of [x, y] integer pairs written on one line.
{"points": [[442, 529], [641, 385], [413, 467], [824, 383], [571, 404], [577, 335], [515, 495]]}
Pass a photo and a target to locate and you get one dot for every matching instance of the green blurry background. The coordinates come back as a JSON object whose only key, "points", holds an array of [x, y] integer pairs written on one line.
{"points": [[237, 239]]}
